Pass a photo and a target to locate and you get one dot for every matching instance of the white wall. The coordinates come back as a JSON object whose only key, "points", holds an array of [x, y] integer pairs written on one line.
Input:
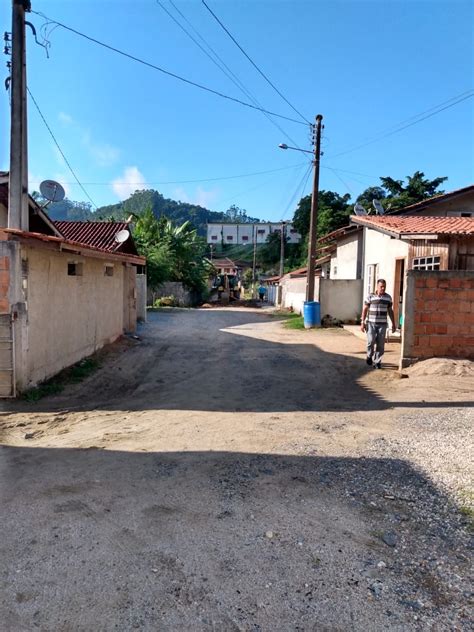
{"points": [[382, 250], [344, 263], [341, 298], [453, 207], [294, 293], [243, 233]]}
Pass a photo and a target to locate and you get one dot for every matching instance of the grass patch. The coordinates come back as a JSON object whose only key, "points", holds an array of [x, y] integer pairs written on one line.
{"points": [[284, 314], [72, 375], [294, 323]]}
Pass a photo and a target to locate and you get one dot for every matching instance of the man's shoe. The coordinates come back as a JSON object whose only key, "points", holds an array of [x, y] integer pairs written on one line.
{"points": [[369, 361], [378, 365]]}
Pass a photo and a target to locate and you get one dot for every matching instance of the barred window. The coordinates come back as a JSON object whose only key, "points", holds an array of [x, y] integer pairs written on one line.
{"points": [[427, 263]]}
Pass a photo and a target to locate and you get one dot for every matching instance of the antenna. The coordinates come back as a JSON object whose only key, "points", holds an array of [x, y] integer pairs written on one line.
{"points": [[359, 209], [122, 236], [378, 207], [52, 191]]}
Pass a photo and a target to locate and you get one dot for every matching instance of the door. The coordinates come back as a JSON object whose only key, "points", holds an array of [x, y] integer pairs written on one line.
{"points": [[398, 287], [7, 366]]}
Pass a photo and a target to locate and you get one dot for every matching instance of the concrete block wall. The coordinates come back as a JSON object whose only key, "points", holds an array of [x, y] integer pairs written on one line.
{"points": [[438, 315]]}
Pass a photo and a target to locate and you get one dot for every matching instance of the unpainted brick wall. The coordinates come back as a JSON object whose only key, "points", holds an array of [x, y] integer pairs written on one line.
{"points": [[4, 284], [443, 315]]}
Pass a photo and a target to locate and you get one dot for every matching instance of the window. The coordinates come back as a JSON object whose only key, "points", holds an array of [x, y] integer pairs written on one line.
{"points": [[427, 263], [245, 238], [109, 271], [74, 269], [230, 238], [214, 237], [293, 231], [371, 277], [261, 231], [466, 214]]}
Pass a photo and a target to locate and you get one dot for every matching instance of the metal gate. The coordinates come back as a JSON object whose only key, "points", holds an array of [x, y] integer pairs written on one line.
{"points": [[7, 358]]}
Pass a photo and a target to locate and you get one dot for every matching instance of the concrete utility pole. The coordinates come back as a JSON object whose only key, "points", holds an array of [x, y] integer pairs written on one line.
{"points": [[18, 185], [282, 247], [313, 226], [254, 264]]}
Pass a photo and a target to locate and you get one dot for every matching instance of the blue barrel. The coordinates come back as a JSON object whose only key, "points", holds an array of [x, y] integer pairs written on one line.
{"points": [[311, 314]]}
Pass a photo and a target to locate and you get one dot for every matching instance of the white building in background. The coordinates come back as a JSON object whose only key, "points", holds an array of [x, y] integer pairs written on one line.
{"points": [[222, 233]]}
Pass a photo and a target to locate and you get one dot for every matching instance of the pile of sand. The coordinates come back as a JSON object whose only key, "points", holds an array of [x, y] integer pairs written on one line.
{"points": [[442, 366]]}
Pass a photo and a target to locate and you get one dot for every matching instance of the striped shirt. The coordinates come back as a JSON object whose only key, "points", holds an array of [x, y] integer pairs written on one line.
{"points": [[378, 308]]}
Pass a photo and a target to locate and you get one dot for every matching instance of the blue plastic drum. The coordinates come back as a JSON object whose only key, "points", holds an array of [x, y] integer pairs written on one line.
{"points": [[311, 314]]}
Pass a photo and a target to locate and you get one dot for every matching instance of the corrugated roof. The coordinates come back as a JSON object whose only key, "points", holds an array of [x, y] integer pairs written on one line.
{"points": [[422, 225], [97, 234]]}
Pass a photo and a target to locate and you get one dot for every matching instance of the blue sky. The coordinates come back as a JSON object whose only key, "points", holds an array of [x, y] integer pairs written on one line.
{"points": [[365, 66]]}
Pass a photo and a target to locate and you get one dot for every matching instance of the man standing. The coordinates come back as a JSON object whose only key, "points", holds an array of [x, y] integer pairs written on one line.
{"points": [[376, 308]]}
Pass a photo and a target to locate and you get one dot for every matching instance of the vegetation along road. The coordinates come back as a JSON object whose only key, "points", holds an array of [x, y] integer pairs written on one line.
{"points": [[225, 472]]}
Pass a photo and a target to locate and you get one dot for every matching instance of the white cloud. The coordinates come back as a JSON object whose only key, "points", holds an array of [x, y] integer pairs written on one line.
{"points": [[131, 181], [65, 118], [105, 155], [201, 197]]}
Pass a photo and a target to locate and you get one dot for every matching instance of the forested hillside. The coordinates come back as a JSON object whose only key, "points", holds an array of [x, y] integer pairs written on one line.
{"points": [[138, 202]]}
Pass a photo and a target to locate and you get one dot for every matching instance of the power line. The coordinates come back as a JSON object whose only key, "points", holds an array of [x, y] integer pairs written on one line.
{"points": [[219, 62], [253, 63], [437, 109], [304, 182], [242, 175], [60, 150], [166, 72]]}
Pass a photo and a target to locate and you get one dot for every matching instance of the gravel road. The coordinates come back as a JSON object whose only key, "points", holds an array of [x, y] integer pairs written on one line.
{"points": [[226, 473]]}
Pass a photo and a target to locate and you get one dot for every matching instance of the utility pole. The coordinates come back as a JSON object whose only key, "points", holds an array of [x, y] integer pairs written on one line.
{"points": [[313, 226], [282, 247], [254, 233], [18, 184]]}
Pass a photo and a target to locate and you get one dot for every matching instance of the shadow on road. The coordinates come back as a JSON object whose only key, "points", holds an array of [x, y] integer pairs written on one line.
{"points": [[217, 541]]}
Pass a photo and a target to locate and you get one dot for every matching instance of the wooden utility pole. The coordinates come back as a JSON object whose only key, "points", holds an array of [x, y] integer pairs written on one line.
{"points": [[282, 248], [254, 265], [313, 226], [18, 185]]}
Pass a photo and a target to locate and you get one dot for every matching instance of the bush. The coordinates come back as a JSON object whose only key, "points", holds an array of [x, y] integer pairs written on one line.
{"points": [[166, 301]]}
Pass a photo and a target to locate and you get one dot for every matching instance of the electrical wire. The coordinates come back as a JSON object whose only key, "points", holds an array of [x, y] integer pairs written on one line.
{"points": [[223, 67], [242, 175], [428, 113], [304, 182], [166, 72], [60, 150], [252, 62]]}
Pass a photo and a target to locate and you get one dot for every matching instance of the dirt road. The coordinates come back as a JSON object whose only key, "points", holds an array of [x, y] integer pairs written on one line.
{"points": [[225, 473]]}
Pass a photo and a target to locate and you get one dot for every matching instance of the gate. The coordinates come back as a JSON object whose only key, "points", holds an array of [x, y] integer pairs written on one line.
{"points": [[7, 358]]}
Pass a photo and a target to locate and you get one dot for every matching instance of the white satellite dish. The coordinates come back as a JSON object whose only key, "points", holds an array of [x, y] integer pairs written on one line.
{"points": [[52, 191], [122, 236], [359, 209], [378, 207]]}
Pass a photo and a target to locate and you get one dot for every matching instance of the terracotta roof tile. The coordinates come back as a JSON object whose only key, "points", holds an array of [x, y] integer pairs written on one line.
{"points": [[412, 225], [98, 234]]}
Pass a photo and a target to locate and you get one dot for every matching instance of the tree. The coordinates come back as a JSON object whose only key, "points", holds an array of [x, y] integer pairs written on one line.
{"points": [[174, 253], [333, 213], [418, 188]]}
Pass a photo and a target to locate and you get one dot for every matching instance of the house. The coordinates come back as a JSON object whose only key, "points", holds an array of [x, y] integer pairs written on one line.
{"points": [[249, 234], [66, 289], [428, 263], [457, 203], [394, 244]]}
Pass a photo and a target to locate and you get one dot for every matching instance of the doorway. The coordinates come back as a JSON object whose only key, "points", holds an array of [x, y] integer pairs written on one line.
{"points": [[398, 287]]}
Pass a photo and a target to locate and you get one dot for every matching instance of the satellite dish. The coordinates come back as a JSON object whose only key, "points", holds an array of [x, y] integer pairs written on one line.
{"points": [[378, 207], [52, 191], [359, 209], [122, 236]]}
